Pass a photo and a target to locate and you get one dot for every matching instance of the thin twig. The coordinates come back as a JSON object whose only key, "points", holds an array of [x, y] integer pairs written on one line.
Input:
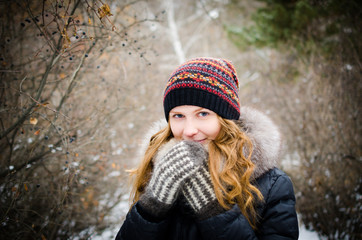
{"points": [[72, 81], [55, 57], [44, 105], [31, 161]]}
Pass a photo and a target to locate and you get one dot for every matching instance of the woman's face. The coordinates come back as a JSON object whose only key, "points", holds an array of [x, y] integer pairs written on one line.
{"points": [[194, 123]]}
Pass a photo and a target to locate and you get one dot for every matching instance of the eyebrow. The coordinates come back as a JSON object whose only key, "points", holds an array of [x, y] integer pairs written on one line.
{"points": [[202, 109], [196, 110]]}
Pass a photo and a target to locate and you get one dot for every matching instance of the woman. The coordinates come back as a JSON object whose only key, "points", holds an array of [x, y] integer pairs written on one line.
{"points": [[211, 172]]}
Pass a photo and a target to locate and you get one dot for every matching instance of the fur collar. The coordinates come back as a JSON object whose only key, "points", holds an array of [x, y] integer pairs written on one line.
{"points": [[258, 127], [265, 136]]}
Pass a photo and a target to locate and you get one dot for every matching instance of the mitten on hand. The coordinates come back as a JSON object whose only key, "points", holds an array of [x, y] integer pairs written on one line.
{"points": [[199, 193], [169, 173]]}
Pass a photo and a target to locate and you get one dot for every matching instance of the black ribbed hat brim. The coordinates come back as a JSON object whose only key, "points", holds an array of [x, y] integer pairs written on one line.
{"points": [[201, 98]]}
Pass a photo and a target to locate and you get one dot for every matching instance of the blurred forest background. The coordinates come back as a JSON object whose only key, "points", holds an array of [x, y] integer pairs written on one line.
{"points": [[82, 81]]}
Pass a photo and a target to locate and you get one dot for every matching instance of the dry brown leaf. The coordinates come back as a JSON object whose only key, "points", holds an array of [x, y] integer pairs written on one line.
{"points": [[101, 217], [104, 10], [33, 121], [62, 75], [66, 38]]}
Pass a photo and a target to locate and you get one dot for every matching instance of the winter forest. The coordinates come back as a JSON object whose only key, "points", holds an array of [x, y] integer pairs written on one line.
{"points": [[82, 81]]}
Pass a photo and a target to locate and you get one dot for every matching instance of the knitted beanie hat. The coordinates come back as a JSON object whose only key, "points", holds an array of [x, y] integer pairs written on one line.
{"points": [[205, 82]]}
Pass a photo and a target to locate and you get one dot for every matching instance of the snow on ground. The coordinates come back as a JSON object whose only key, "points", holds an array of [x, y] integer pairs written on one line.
{"points": [[305, 234], [118, 211]]}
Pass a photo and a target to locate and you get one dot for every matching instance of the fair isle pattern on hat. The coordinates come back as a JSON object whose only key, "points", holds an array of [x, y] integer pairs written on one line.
{"points": [[206, 82]]}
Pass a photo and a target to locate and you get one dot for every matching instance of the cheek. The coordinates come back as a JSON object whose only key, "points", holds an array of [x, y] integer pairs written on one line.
{"points": [[176, 130], [214, 131]]}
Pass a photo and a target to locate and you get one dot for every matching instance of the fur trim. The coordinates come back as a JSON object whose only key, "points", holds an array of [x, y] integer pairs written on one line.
{"points": [[263, 133], [155, 127], [265, 137]]}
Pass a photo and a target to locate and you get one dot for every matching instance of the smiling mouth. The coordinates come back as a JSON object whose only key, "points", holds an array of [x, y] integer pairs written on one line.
{"points": [[199, 141]]}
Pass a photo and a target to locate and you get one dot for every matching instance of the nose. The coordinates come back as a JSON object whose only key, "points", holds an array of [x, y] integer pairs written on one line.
{"points": [[190, 129]]}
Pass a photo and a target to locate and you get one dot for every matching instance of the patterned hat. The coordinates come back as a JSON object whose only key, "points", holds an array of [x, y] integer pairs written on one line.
{"points": [[206, 82]]}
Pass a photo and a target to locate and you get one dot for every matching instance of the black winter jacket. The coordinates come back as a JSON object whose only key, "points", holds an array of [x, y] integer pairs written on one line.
{"points": [[277, 217]]}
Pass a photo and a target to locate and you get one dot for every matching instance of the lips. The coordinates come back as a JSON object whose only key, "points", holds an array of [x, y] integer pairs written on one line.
{"points": [[202, 141], [195, 140]]}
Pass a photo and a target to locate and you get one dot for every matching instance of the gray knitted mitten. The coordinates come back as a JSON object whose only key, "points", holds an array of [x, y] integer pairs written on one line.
{"points": [[169, 173], [199, 193]]}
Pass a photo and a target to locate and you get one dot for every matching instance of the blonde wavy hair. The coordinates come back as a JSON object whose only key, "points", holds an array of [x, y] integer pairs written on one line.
{"points": [[230, 170]]}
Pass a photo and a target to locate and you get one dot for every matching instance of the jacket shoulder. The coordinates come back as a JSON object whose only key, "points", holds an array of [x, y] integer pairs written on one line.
{"points": [[277, 212], [276, 185]]}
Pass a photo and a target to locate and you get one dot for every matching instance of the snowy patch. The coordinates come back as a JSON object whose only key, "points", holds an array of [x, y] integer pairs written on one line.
{"points": [[305, 234], [214, 13], [114, 174], [96, 158]]}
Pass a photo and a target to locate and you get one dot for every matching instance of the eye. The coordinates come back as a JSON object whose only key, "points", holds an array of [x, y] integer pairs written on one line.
{"points": [[204, 114], [177, 115]]}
